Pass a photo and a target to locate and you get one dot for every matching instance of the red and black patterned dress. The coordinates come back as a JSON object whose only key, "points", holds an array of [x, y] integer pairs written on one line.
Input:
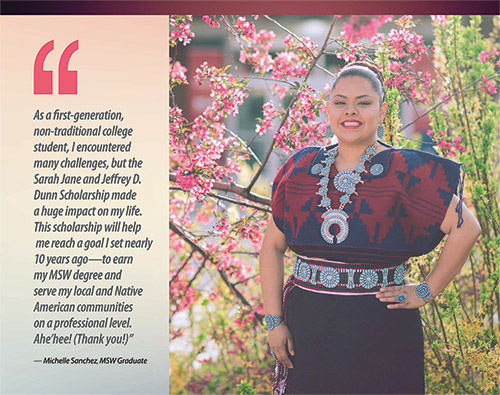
{"points": [[349, 342]]}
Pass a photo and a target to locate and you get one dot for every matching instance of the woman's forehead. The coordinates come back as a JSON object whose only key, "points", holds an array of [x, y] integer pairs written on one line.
{"points": [[353, 86]]}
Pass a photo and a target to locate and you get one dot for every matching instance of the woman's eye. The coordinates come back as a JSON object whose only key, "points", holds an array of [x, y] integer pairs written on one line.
{"points": [[338, 103], [365, 103]]}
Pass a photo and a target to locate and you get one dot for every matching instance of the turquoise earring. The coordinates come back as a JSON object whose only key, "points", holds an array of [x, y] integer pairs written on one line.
{"points": [[328, 132], [380, 131]]}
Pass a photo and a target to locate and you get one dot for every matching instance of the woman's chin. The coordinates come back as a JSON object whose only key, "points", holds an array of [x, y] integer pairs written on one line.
{"points": [[355, 139]]}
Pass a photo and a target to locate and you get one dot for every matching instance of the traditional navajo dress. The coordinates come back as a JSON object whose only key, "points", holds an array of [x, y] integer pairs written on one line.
{"points": [[346, 340]]}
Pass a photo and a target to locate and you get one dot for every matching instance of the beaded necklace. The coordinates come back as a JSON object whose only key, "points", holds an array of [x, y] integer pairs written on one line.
{"points": [[345, 182]]}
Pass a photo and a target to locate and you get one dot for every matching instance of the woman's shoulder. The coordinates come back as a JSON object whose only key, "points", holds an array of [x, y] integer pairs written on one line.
{"points": [[413, 167], [426, 172], [299, 162], [308, 152], [414, 158], [303, 157]]}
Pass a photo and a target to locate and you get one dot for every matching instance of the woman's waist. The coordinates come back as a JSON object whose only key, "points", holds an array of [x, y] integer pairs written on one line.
{"points": [[370, 256], [336, 277]]}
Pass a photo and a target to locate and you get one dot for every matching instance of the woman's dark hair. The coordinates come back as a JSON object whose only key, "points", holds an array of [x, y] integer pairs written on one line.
{"points": [[365, 70]]}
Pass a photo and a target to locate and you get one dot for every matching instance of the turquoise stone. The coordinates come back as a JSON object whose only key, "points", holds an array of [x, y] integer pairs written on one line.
{"points": [[329, 277], [368, 279], [344, 199], [399, 274], [324, 181], [376, 169], [316, 168]]}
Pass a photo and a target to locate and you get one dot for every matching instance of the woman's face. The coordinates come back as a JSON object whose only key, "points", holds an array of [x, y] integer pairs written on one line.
{"points": [[354, 111]]}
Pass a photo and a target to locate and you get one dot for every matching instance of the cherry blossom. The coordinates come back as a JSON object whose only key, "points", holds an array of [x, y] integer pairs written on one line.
{"points": [[488, 87], [359, 27], [212, 22], [288, 64], [246, 29], [177, 74], [269, 114], [281, 91], [440, 19], [449, 147], [484, 56], [181, 29]]}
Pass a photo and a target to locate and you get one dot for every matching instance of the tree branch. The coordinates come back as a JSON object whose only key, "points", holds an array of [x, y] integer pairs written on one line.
{"points": [[234, 188], [294, 99], [182, 267], [178, 231], [255, 77], [302, 42], [196, 274], [228, 199], [250, 151], [246, 279], [442, 101], [446, 343]]}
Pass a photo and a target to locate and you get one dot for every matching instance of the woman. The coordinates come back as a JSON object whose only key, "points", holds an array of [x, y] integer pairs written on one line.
{"points": [[347, 321]]}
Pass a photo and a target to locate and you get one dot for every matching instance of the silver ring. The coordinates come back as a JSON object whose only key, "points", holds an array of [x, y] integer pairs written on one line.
{"points": [[401, 298]]}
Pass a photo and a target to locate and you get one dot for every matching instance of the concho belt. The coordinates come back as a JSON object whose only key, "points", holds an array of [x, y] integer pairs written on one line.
{"points": [[341, 278]]}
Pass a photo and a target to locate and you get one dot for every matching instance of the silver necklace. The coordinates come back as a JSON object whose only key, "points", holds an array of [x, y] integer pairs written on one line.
{"points": [[345, 182]]}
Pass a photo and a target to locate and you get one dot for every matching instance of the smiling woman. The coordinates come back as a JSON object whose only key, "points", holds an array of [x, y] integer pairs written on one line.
{"points": [[347, 320], [355, 111]]}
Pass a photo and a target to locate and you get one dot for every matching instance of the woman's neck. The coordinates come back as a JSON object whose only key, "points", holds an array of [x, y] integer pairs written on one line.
{"points": [[350, 153]]}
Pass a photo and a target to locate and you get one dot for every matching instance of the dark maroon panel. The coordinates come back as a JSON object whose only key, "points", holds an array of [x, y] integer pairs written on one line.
{"points": [[276, 7]]}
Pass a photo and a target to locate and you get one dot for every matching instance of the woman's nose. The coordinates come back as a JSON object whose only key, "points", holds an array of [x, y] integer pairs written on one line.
{"points": [[350, 110]]}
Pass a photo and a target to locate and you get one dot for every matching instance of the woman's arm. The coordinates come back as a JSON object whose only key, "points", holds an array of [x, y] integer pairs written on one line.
{"points": [[271, 282], [455, 252], [456, 249]]}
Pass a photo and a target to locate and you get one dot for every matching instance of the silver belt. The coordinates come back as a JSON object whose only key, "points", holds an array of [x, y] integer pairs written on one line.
{"points": [[324, 276]]}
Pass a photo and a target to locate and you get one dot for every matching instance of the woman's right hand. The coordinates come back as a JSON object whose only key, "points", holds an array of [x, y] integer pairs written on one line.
{"points": [[281, 343], [271, 281]]}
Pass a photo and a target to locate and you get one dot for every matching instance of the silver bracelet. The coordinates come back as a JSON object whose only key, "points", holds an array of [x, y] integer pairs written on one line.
{"points": [[272, 321], [423, 291]]}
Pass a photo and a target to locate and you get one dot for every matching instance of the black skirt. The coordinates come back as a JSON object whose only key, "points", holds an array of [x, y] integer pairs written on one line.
{"points": [[353, 345]]}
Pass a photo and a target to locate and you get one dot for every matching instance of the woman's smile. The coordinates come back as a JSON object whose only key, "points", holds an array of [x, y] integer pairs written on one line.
{"points": [[351, 124]]}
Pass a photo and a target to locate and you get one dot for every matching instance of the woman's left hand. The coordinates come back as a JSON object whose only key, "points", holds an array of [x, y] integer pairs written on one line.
{"points": [[406, 293]]}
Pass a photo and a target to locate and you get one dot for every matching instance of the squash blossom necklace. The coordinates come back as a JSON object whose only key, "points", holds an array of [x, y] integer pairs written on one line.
{"points": [[345, 182]]}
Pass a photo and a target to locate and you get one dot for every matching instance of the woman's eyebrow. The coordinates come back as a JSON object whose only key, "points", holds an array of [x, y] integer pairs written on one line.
{"points": [[357, 97]]}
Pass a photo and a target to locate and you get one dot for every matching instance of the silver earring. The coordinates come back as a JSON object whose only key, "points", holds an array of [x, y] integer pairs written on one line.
{"points": [[380, 131], [328, 132]]}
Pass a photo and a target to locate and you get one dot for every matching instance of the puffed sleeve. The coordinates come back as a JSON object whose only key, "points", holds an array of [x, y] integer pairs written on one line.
{"points": [[295, 165], [430, 183], [278, 198]]}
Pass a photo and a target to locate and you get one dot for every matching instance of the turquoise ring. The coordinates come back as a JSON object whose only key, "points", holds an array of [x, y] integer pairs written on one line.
{"points": [[401, 298]]}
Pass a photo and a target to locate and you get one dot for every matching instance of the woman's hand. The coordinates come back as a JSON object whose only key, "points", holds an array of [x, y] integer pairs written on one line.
{"points": [[281, 343], [390, 295]]}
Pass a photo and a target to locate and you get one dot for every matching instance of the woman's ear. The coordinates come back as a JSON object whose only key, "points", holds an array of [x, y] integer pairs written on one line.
{"points": [[383, 111]]}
